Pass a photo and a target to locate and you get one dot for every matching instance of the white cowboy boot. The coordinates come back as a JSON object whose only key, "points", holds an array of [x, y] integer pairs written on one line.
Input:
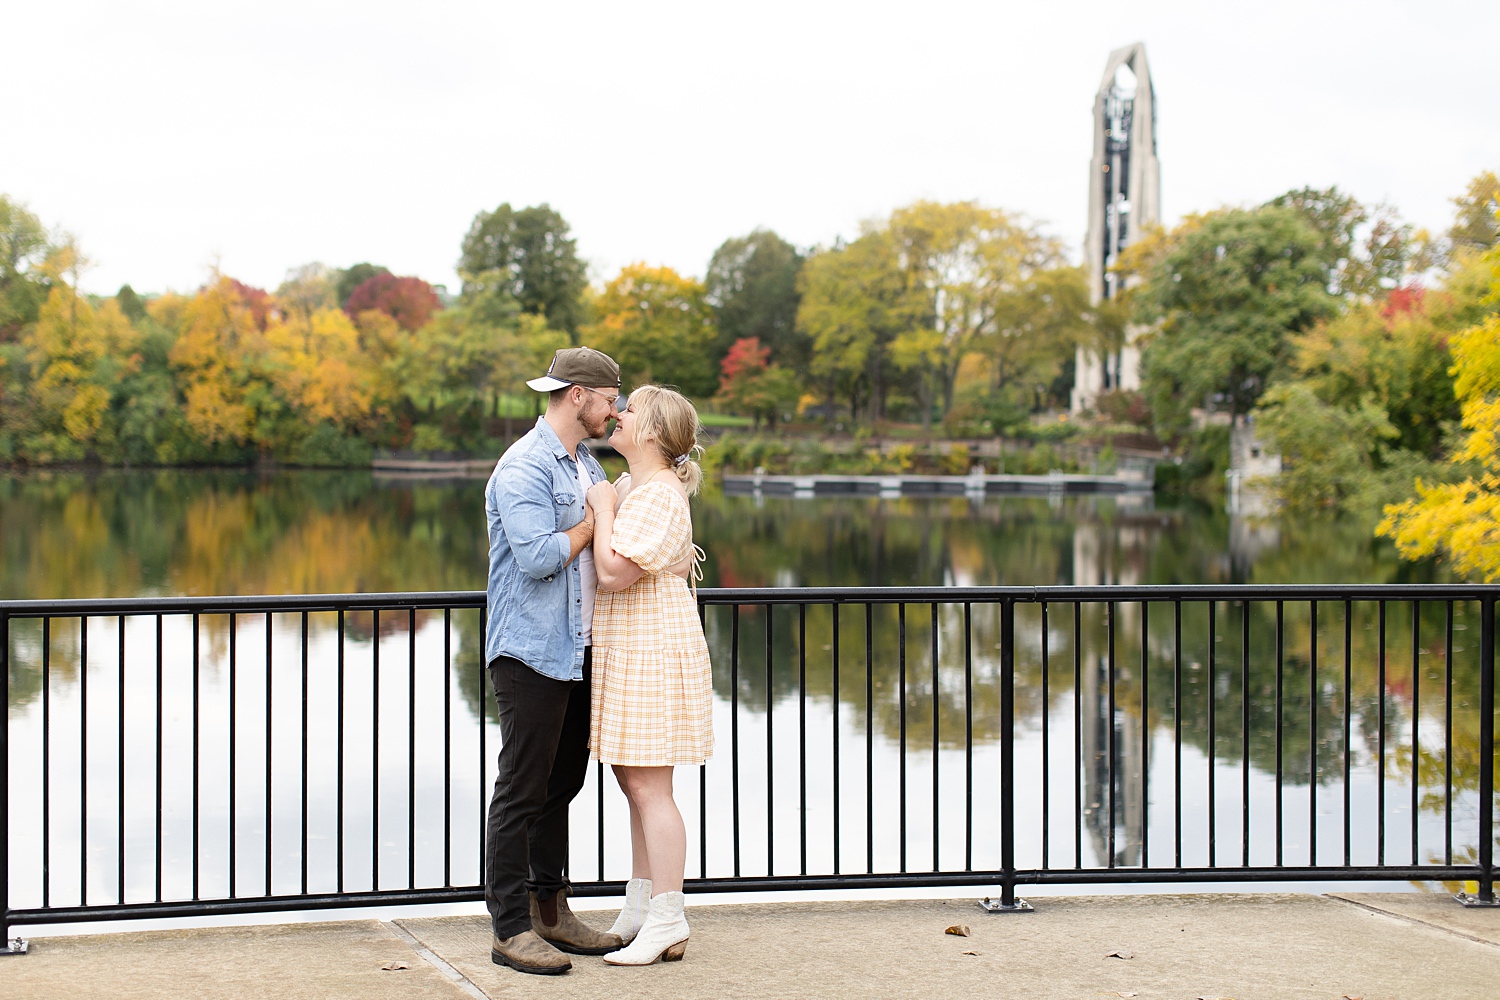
{"points": [[664, 935], [633, 913]]}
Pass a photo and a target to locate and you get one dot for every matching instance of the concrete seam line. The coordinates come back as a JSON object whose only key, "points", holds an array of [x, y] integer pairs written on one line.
{"points": [[1413, 920], [428, 956]]}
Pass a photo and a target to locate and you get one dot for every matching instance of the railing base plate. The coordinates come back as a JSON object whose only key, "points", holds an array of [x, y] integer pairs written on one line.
{"points": [[15, 946], [1474, 901], [989, 905]]}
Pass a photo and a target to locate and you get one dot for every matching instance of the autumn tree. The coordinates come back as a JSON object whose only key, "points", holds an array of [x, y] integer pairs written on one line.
{"points": [[409, 301], [1461, 520], [750, 383], [352, 277], [529, 256], [317, 365], [218, 359], [751, 285], [658, 325]]}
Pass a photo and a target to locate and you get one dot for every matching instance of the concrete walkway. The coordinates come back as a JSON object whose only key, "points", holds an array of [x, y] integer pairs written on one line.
{"points": [[1370, 946]]}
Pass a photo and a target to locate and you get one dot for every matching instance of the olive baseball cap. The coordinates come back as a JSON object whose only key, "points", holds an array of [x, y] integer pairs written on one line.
{"points": [[578, 366]]}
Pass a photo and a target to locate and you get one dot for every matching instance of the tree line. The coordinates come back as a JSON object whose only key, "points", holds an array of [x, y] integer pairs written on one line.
{"points": [[1332, 325]]}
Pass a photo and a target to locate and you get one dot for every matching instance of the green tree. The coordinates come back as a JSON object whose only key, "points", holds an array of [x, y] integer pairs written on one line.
{"points": [[1364, 250], [350, 278], [24, 245], [1228, 295], [529, 255], [1476, 226], [658, 326], [752, 286], [854, 305]]}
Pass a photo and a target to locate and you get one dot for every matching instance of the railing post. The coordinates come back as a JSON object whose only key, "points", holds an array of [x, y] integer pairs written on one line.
{"points": [[1486, 896], [1007, 903], [8, 945]]}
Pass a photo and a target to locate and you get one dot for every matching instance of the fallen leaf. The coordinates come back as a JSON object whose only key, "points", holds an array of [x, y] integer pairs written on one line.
{"points": [[1122, 953], [394, 967], [962, 930], [973, 953]]}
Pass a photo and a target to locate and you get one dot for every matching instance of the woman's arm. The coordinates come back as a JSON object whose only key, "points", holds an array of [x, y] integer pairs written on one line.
{"points": [[614, 571]]}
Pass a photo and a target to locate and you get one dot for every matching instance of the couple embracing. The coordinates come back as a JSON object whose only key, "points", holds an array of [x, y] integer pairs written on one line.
{"points": [[594, 648]]}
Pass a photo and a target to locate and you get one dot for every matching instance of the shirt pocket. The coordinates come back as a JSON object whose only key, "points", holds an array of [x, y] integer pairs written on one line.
{"points": [[562, 503]]}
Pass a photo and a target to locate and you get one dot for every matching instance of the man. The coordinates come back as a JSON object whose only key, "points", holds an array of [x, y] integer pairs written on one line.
{"points": [[537, 644]]}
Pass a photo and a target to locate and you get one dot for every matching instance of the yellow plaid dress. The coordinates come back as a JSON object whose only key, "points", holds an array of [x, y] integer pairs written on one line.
{"points": [[652, 684]]}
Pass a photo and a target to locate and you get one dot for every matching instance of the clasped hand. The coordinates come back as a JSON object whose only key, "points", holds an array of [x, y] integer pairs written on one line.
{"points": [[602, 496]]}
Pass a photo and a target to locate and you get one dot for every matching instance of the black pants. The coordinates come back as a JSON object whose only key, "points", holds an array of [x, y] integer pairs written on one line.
{"points": [[544, 758]]}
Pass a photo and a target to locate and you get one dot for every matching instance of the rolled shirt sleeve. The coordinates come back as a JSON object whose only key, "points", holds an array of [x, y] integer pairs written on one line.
{"points": [[527, 508]]}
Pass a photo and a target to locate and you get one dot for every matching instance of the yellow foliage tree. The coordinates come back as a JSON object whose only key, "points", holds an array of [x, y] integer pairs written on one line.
{"points": [[218, 348], [1462, 520], [78, 355], [315, 361]]}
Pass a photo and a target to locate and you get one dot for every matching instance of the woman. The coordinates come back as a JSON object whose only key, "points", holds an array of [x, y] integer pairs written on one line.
{"points": [[652, 683]]}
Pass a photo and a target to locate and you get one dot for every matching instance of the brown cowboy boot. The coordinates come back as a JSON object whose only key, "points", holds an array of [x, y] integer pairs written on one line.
{"points": [[528, 953], [556, 923]]}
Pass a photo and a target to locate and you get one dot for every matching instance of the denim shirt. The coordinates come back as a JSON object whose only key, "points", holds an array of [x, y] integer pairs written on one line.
{"points": [[534, 596]]}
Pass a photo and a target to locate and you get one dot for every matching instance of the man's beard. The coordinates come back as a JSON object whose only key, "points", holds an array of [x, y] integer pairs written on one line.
{"points": [[594, 427]]}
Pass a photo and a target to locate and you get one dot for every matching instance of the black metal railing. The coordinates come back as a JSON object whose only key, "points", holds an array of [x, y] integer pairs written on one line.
{"points": [[184, 756]]}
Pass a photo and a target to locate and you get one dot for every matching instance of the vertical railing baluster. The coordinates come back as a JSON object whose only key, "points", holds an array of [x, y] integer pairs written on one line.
{"points": [[1349, 750], [375, 750], [1213, 746], [1145, 736], [734, 730], [411, 747], [1487, 749], [770, 743], [968, 738], [870, 737], [1416, 716], [1078, 762], [936, 800], [1245, 732], [5, 781], [901, 729], [120, 793], [1007, 753], [233, 760], [1448, 734], [447, 696], [1280, 713], [1380, 746], [339, 763], [1312, 736], [802, 727], [83, 760], [1111, 611], [197, 725], [1046, 745], [303, 657], [46, 764], [269, 635], [837, 795], [160, 725], [482, 673], [1177, 733]]}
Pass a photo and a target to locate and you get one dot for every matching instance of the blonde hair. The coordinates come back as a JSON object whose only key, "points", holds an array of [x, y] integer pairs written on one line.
{"points": [[667, 415]]}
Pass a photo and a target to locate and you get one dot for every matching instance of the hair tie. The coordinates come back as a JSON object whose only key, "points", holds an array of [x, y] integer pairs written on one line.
{"points": [[680, 460]]}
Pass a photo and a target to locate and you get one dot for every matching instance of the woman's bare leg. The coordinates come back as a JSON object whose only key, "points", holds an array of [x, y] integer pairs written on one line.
{"points": [[662, 832]]}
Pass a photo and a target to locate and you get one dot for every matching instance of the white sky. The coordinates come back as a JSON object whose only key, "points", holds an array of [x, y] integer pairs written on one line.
{"points": [[170, 135]]}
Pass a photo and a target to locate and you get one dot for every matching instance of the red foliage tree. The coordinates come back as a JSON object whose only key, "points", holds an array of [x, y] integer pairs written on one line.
{"points": [[745, 360], [409, 301], [257, 300], [1405, 299]]}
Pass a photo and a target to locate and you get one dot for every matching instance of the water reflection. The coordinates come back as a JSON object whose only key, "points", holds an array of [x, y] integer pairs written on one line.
{"points": [[1271, 710]]}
